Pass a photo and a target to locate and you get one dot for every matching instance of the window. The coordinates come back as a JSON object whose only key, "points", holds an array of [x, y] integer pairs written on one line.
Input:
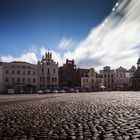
{"points": [[23, 66], [24, 72], [112, 80], [86, 80], [112, 75], [83, 80], [48, 79], [18, 72], [23, 80], [52, 79], [28, 79], [40, 79], [42, 70], [7, 71], [34, 80], [18, 80], [108, 75], [7, 79], [48, 71], [55, 79], [43, 79], [29, 72], [13, 79], [34, 73], [105, 75], [13, 72], [18, 66], [53, 70]]}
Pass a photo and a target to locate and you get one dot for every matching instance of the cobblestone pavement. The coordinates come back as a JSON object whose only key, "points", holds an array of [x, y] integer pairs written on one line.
{"points": [[105, 115]]}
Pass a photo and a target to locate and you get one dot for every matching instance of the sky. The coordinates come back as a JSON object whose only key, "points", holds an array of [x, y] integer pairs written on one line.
{"points": [[94, 33]]}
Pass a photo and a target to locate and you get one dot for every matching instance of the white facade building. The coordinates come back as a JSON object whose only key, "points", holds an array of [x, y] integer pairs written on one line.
{"points": [[24, 77], [121, 79], [1, 77], [20, 76]]}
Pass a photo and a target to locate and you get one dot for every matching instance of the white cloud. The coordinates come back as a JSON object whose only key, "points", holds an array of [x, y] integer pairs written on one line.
{"points": [[56, 56], [27, 57], [114, 42]]}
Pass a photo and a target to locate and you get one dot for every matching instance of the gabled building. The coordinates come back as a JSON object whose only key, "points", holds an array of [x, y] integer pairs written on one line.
{"points": [[47, 72], [100, 82], [121, 79], [88, 80], [68, 75], [136, 78], [130, 74], [1, 77], [109, 78]]}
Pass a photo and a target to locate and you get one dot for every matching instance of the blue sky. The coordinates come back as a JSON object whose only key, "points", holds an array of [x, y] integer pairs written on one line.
{"points": [[94, 33], [24, 23]]}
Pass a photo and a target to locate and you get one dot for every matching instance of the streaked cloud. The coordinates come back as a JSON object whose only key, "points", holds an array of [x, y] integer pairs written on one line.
{"points": [[66, 44], [114, 42]]}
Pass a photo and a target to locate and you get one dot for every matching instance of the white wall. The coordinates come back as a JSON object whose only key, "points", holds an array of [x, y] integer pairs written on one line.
{"points": [[1, 78]]}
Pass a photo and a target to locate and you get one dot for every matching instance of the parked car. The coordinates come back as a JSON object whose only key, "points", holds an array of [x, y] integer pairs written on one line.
{"points": [[11, 91], [40, 91], [76, 90], [47, 91], [71, 90], [55, 91], [62, 91]]}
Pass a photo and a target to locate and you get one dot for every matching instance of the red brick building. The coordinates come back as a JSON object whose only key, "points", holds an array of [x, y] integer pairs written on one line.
{"points": [[69, 75]]}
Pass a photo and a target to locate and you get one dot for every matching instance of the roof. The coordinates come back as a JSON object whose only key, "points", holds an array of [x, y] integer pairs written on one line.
{"points": [[138, 61], [137, 73]]}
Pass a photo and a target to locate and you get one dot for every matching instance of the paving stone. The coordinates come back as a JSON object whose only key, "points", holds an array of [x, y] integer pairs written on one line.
{"points": [[114, 115]]}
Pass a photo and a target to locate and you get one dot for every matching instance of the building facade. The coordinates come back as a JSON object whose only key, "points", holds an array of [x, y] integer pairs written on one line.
{"points": [[130, 74], [121, 79], [136, 78], [68, 75], [47, 72], [20, 76], [88, 80], [100, 82], [1, 77], [109, 78]]}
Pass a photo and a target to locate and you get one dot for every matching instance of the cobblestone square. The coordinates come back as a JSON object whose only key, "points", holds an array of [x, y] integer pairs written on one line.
{"points": [[95, 116]]}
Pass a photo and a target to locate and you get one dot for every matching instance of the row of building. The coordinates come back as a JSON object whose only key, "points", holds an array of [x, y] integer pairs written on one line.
{"points": [[24, 77]]}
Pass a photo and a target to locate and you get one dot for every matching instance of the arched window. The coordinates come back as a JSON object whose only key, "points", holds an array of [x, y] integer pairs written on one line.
{"points": [[55, 79], [52, 79], [48, 71]]}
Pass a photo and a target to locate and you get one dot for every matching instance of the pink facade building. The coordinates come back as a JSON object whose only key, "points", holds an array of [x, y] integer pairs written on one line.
{"points": [[121, 79]]}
